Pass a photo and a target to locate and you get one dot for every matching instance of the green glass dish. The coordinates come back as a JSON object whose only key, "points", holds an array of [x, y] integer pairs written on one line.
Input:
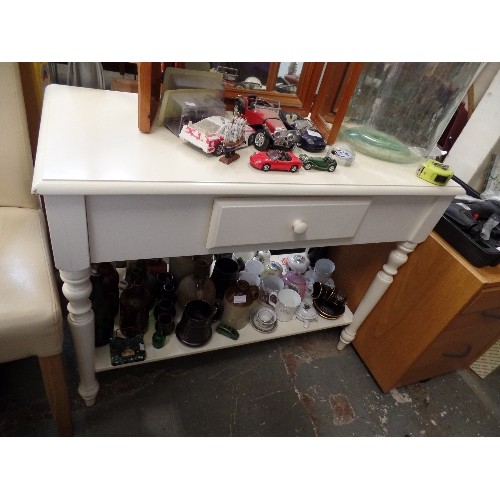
{"points": [[378, 144]]}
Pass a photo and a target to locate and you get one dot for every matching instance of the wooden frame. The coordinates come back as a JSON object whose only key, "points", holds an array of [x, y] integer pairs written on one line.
{"points": [[149, 85], [337, 86], [327, 108], [306, 89]]}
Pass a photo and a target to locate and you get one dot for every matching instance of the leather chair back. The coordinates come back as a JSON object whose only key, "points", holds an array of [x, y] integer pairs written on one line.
{"points": [[16, 163]]}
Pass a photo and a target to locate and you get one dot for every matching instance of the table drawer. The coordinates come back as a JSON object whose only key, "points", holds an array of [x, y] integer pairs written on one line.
{"points": [[257, 221]]}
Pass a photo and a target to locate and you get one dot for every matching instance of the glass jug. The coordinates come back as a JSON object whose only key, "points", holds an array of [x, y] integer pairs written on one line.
{"points": [[399, 111]]}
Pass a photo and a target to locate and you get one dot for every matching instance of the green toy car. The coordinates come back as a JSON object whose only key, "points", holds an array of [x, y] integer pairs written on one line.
{"points": [[318, 162]]}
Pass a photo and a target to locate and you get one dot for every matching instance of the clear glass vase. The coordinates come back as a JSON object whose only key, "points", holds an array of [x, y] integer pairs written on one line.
{"points": [[399, 111], [198, 285]]}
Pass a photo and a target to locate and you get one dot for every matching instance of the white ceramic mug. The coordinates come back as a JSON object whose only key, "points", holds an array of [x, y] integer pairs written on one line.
{"points": [[254, 266], [285, 303], [323, 270], [250, 278], [270, 284]]}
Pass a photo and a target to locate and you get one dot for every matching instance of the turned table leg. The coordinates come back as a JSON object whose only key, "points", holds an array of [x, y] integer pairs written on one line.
{"points": [[76, 289], [378, 287]]}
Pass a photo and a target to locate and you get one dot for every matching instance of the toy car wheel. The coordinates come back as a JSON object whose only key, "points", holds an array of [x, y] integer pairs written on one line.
{"points": [[261, 141], [294, 168], [307, 166], [332, 168], [219, 149], [251, 139], [266, 167]]}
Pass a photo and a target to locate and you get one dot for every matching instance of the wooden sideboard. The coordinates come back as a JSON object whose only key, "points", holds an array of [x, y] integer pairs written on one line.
{"points": [[440, 314]]}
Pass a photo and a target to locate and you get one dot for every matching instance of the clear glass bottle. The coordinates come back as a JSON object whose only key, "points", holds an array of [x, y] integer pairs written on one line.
{"points": [[238, 302], [198, 285], [399, 111]]}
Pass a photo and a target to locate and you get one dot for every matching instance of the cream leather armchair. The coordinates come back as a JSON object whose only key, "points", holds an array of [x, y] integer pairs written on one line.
{"points": [[30, 313]]}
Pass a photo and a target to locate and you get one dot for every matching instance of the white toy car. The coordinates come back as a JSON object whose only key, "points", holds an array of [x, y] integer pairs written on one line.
{"points": [[208, 134]]}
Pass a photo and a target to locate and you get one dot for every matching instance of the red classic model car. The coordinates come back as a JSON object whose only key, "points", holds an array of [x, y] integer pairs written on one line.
{"points": [[263, 116], [275, 160]]}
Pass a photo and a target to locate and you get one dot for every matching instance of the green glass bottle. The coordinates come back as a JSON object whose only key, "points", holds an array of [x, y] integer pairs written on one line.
{"points": [[164, 326]]}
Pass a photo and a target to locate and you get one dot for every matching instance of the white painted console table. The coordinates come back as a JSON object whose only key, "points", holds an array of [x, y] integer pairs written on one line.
{"points": [[113, 193]]}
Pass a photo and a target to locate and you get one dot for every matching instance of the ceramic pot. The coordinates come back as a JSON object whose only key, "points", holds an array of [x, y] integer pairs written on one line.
{"points": [[224, 274], [298, 263], [238, 302], [306, 313], [194, 329]]}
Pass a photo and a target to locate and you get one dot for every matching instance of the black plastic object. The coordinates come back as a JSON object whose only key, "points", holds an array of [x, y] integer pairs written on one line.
{"points": [[461, 226]]}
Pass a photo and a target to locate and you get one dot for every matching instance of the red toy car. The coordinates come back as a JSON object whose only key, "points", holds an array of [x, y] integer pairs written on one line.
{"points": [[263, 116], [275, 160]]}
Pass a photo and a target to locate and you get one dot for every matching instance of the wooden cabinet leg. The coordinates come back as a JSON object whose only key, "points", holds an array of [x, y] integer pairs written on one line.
{"points": [[378, 287], [76, 289], [57, 392]]}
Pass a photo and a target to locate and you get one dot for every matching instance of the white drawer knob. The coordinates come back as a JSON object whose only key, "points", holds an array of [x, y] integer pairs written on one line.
{"points": [[299, 226]]}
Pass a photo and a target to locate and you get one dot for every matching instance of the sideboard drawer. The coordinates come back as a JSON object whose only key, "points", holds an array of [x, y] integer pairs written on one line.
{"points": [[240, 221], [452, 350], [485, 300]]}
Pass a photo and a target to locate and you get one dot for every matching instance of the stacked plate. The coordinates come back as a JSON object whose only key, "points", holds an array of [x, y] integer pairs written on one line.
{"points": [[328, 310]]}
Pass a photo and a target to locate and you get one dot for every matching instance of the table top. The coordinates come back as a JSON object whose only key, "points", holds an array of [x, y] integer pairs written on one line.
{"points": [[89, 144]]}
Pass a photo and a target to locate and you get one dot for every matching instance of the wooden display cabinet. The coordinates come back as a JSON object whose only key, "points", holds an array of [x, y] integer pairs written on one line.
{"points": [[440, 314]]}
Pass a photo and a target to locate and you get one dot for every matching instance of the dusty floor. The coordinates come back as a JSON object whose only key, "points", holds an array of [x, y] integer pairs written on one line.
{"points": [[296, 386]]}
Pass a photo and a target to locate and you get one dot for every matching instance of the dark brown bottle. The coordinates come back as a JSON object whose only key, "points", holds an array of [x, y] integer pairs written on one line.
{"points": [[134, 306], [104, 299], [148, 280], [155, 266]]}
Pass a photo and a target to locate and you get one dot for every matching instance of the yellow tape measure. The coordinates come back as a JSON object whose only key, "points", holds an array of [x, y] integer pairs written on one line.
{"points": [[435, 172]]}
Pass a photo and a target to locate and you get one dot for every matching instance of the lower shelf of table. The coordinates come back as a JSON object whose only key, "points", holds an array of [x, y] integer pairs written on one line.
{"points": [[173, 348]]}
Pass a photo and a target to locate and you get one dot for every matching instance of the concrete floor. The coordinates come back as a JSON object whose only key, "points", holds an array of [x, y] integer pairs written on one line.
{"points": [[296, 386]]}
